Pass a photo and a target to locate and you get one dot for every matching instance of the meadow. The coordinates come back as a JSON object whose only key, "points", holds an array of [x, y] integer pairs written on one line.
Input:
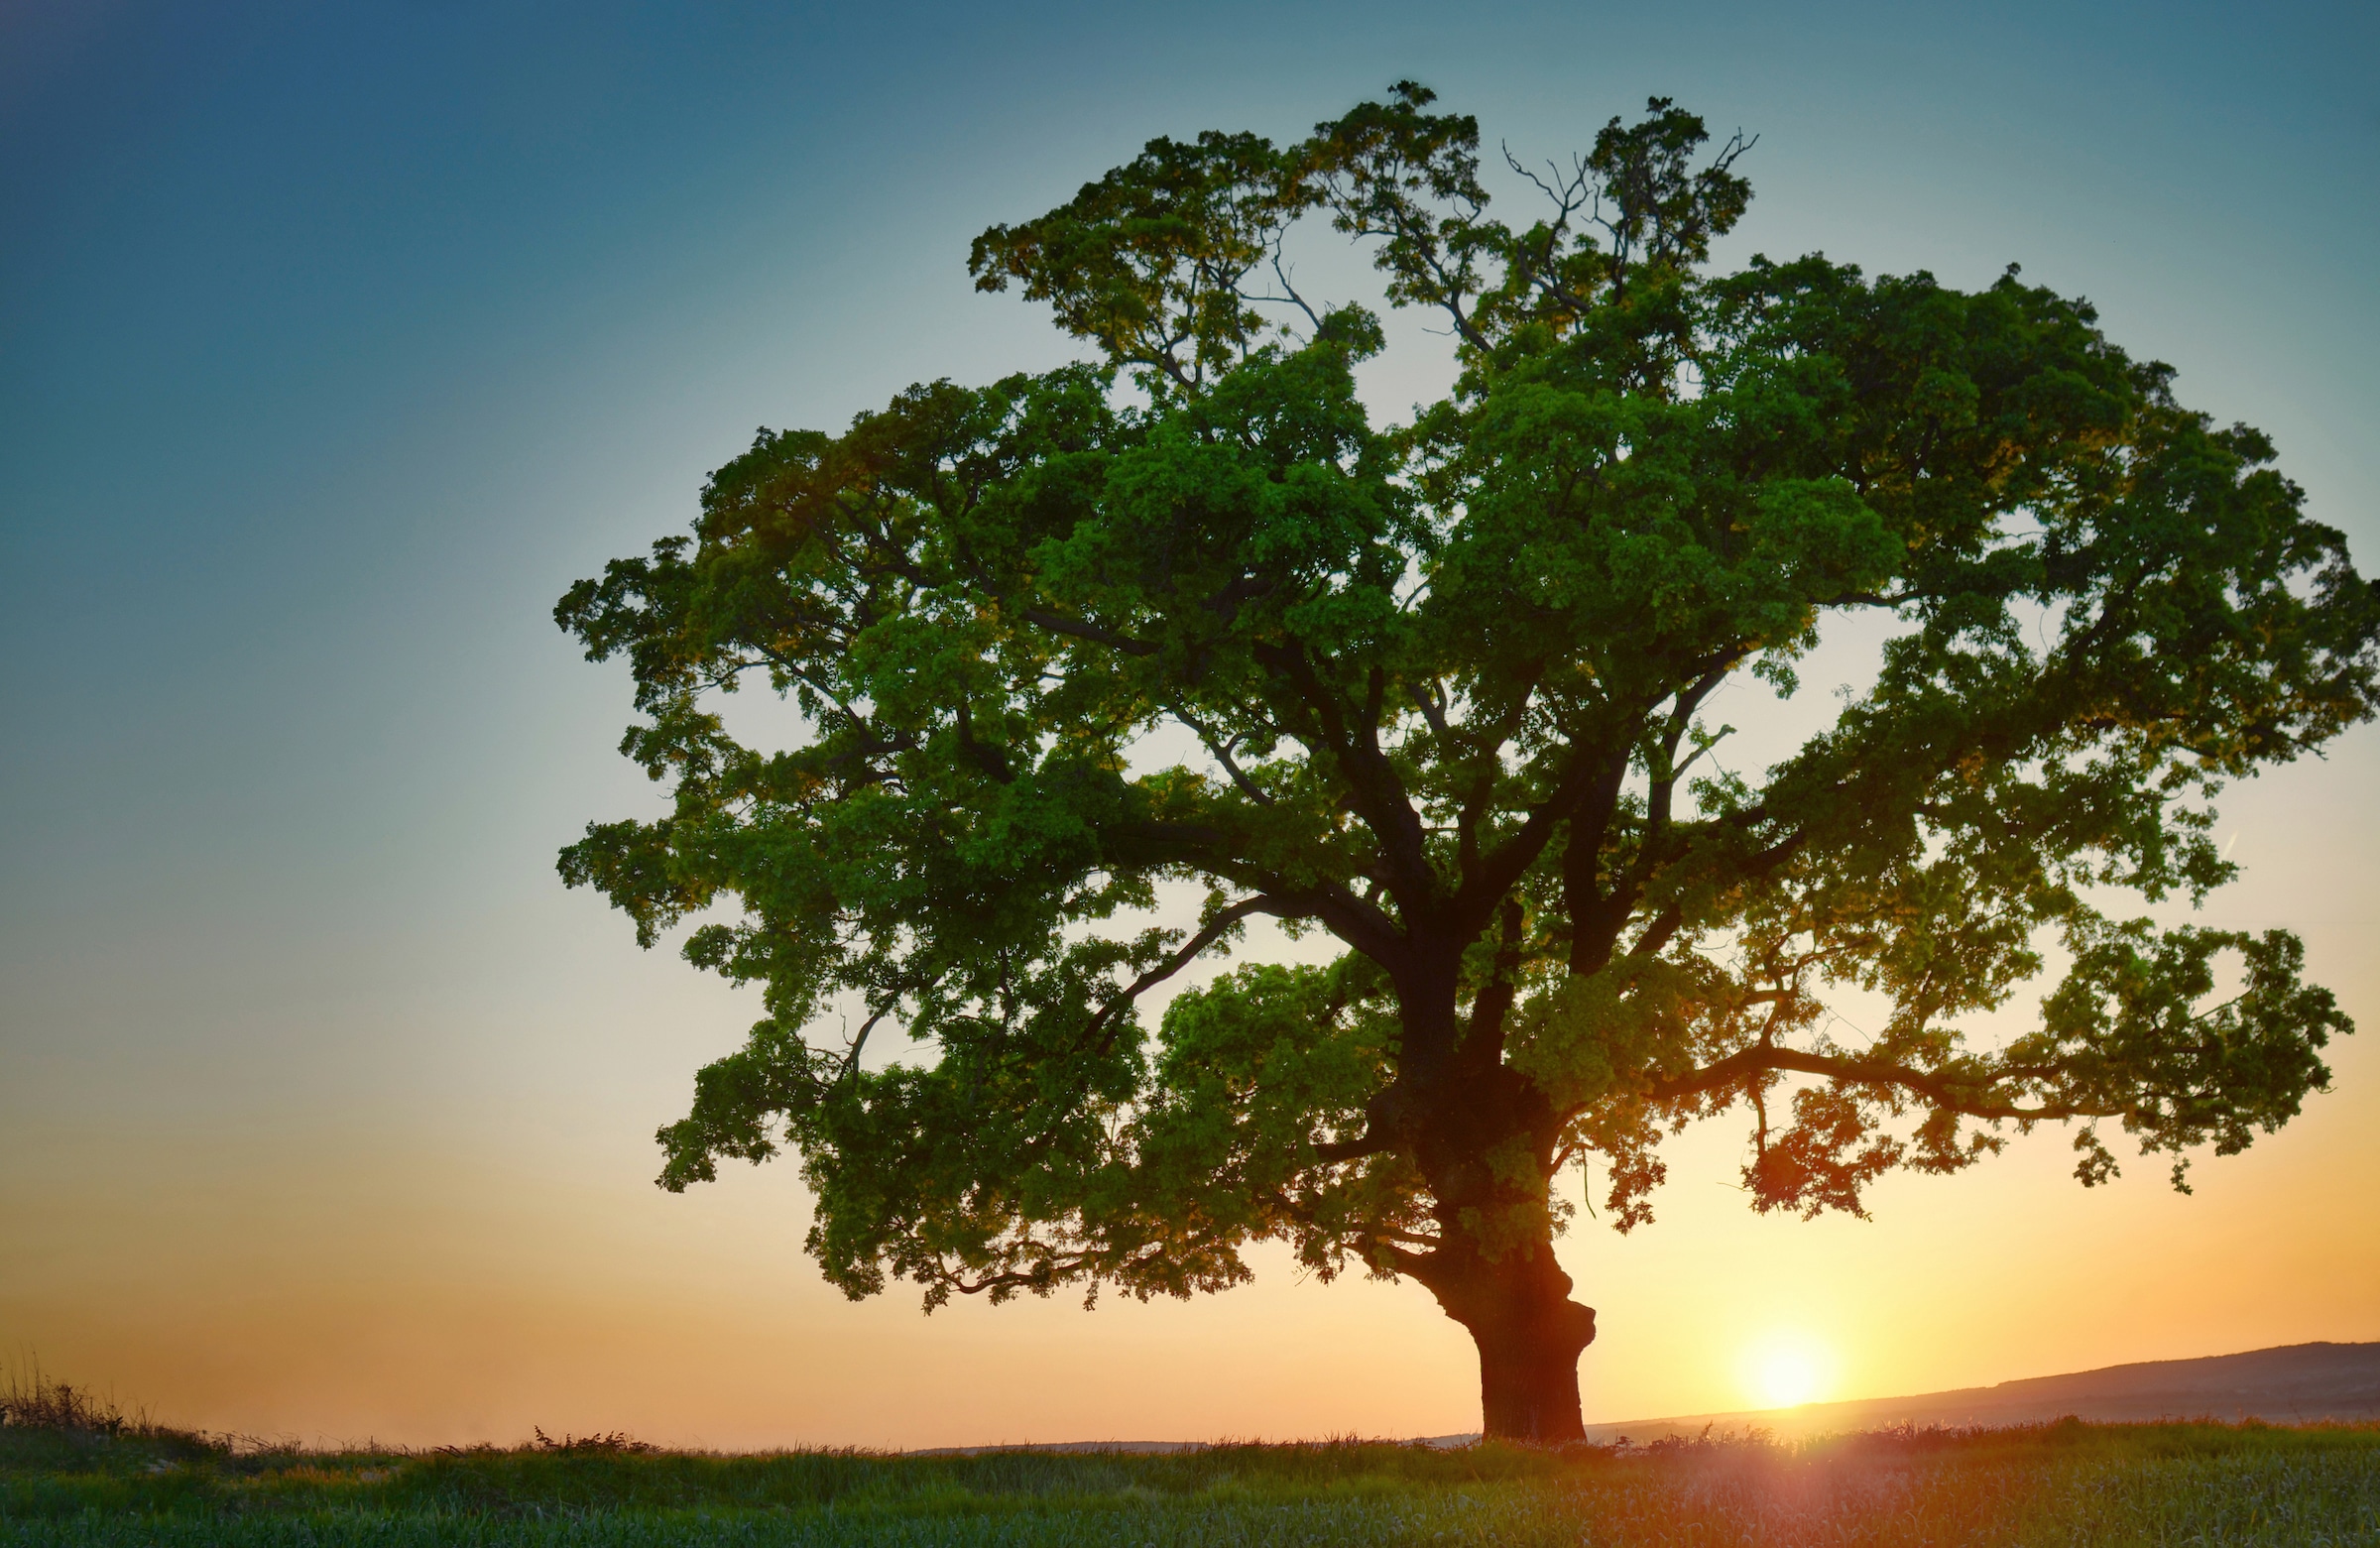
{"points": [[76, 1473]]}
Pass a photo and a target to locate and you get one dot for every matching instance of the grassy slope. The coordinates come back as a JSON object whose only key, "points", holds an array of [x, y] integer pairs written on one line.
{"points": [[2066, 1484]]}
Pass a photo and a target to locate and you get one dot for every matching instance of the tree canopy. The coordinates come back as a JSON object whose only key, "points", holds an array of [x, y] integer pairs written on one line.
{"points": [[1446, 681]]}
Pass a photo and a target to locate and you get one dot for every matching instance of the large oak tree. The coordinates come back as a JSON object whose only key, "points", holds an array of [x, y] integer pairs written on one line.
{"points": [[1446, 681]]}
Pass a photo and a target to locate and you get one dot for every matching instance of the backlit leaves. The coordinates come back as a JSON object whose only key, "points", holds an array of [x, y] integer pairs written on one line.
{"points": [[1441, 689]]}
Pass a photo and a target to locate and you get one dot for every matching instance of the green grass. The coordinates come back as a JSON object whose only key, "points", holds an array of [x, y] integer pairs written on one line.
{"points": [[2062, 1484]]}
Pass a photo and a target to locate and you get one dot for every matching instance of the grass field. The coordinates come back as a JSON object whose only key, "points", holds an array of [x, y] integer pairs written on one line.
{"points": [[100, 1480]]}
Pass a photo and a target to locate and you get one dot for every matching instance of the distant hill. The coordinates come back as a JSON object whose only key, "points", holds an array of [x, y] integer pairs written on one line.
{"points": [[2293, 1385]]}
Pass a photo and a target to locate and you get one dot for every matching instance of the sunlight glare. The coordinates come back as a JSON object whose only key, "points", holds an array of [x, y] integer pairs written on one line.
{"points": [[1787, 1369]]}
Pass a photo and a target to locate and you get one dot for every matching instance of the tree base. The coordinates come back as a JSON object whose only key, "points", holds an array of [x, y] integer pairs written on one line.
{"points": [[1530, 1375], [1529, 1334]]}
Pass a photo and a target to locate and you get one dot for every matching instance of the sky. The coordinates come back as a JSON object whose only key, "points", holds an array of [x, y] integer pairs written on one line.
{"points": [[336, 341]]}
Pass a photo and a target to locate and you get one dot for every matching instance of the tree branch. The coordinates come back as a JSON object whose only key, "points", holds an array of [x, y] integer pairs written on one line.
{"points": [[1381, 799], [1208, 934], [1762, 1058], [1495, 875], [1221, 752], [1356, 1150], [1484, 1041], [1091, 632]]}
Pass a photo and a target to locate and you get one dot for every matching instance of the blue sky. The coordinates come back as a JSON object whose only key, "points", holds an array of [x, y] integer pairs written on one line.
{"points": [[335, 341]]}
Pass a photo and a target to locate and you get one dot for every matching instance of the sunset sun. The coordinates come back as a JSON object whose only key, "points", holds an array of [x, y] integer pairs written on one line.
{"points": [[1787, 1369]]}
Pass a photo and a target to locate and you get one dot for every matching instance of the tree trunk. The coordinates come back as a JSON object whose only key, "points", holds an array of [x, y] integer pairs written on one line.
{"points": [[1464, 1119], [1530, 1376], [1529, 1334]]}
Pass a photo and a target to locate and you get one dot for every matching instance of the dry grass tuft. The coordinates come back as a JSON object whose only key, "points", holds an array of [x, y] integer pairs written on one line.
{"points": [[615, 1443], [35, 1400]]}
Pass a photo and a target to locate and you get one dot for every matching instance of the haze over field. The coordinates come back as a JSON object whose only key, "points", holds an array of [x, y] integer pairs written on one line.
{"points": [[336, 347]]}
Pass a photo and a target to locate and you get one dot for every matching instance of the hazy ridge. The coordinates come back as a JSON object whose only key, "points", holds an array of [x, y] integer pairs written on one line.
{"points": [[2294, 1383]]}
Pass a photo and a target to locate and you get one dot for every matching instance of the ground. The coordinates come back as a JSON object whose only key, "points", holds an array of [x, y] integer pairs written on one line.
{"points": [[2066, 1484]]}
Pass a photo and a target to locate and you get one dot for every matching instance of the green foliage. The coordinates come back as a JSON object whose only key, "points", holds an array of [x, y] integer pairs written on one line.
{"points": [[1447, 681]]}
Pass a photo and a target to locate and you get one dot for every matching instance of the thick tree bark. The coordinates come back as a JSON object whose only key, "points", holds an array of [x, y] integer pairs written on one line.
{"points": [[1529, 1334], [1465, 1111]]}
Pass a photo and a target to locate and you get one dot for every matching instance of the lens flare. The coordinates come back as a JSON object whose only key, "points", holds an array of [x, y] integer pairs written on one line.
{"points": [[1787, 1369]]}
